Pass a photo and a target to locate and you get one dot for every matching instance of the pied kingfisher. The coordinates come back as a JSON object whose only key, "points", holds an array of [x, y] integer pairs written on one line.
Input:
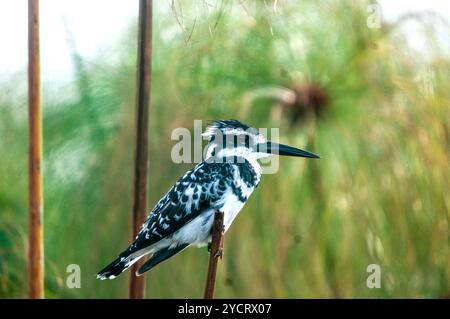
{"points": [[222, 182]]}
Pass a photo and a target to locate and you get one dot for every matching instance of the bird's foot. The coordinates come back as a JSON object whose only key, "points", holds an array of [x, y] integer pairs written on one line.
{"points": [[219, 253]]}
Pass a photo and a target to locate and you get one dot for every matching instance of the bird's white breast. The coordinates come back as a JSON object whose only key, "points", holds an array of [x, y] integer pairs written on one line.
{"points": [[232, 206]]}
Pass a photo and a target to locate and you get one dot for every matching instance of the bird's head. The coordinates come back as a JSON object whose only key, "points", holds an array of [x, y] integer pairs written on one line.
{"points": [[228, 138]]}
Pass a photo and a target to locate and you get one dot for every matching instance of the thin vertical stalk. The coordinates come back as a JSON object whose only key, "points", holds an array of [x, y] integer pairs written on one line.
{"points": [[216, 251], [143, 84], [35, 191]]}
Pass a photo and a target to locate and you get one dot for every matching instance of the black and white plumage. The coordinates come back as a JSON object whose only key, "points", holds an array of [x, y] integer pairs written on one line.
{"points": [[223, 182]]}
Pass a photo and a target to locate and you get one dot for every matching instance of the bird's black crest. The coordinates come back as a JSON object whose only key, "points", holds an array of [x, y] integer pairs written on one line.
{"points": [[228, 124], [224, 126]]}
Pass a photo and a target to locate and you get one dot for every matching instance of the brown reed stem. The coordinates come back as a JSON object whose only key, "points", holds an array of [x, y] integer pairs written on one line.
{"points": [[35, 191], [216, 251], [143, 84]]}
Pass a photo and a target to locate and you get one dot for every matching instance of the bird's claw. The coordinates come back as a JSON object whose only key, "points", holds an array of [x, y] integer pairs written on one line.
{"points": [[219, 253]]}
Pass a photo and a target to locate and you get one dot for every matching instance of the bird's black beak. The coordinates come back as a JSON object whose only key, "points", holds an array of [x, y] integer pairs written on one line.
{"points": [[281, 149]]}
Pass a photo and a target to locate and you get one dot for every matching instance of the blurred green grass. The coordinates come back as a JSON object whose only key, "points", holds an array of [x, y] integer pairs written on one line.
{"points": [[378, 195]]}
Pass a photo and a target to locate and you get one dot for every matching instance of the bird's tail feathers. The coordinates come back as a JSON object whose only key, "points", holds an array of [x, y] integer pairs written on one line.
{"points": [[119, 265], [159, 257], [126, 260]]}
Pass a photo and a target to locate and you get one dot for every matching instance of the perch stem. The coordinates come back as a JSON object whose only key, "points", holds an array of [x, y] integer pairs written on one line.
{"points": [[216, 251], [143, 84]]}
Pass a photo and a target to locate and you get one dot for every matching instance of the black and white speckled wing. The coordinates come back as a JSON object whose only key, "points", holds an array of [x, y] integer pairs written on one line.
{"points": [[201, 188]]}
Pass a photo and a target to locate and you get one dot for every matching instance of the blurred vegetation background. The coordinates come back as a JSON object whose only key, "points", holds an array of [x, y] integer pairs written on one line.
{"points": [[376, 110]]}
